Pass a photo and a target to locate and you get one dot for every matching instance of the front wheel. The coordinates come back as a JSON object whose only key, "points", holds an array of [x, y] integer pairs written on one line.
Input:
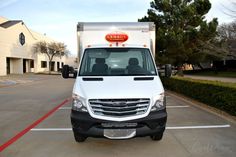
{"points": [[79, 137], [157, 137]]}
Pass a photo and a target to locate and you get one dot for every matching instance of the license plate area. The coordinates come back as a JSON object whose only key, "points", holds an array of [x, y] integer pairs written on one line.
{"points": [[119, 133], [119, 125]]}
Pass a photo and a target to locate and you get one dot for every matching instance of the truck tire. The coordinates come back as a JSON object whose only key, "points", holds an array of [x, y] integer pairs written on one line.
{"points": [[79, 137], [157, 137]]}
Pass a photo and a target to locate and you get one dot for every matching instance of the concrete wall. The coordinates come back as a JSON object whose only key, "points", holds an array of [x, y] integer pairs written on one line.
{"points": [[11, 48], [43, 57], [3, 65], [10, 45]]}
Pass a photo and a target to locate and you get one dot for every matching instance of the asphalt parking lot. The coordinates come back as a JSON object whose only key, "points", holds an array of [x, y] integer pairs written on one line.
{"points": [[35, 122]]}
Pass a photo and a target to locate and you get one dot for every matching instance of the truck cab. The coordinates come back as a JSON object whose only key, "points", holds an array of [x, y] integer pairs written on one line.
{"points": [[117, 93]]}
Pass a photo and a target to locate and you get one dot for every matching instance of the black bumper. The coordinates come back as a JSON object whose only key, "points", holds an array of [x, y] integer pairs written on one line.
{"points": [[84, 124]]}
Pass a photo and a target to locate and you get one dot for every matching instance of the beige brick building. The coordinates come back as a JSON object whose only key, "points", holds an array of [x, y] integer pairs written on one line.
{"points": [[16, 55]]}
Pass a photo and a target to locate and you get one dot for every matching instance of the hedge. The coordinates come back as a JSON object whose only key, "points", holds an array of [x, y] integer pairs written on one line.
{"points": [[214, 93]]}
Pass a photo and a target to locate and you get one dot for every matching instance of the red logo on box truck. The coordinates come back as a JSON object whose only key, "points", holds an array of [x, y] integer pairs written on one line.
{"points": [[117, 37]]}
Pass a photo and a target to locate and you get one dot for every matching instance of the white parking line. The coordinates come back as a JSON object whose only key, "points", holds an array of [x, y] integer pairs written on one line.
{"points": [[168, 128], [198, 127], [51, 129], [65, 108], [181, 106]]}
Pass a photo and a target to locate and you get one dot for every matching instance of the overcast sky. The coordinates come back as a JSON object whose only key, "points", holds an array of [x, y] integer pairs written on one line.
{"points": [[58, 18]]}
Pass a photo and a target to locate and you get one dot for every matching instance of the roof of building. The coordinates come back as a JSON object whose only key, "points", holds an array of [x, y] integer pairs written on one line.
{"points": [[40, 36], [10, 23], [6, 23], [3, 19]]}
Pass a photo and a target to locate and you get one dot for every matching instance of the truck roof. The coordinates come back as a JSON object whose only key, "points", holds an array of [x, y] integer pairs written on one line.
{"points": [[94, 26]]}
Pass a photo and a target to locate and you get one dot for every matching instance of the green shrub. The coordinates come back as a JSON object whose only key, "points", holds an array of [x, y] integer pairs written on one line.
{"points": [[216, 94]]}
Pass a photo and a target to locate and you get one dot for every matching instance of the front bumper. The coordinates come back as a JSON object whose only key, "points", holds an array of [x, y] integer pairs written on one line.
{"points": [[86, 125]]}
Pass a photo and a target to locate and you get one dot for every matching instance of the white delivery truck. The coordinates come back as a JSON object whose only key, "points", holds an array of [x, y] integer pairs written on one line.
{"points": [[117, 93]]}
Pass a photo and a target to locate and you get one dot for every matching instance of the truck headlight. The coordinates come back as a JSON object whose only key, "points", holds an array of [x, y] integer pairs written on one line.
{"points": [[78, 103], [160, 102]]}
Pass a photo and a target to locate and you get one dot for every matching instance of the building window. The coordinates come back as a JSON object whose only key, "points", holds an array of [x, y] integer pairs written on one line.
{"points": [[62, 64], [43, 64], [22, 39], [31, 63]]}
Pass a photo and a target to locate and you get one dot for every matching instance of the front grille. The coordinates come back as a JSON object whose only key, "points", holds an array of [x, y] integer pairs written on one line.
{"points": [[119, 107]]}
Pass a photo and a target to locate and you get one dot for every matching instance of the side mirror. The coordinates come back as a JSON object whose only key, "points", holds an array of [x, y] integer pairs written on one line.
{"points": [[168, 70], [69, 72], [65, 71]]}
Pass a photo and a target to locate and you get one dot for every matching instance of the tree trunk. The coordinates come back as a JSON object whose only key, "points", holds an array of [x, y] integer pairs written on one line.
{"points": [[180, 70], [50, 64], [215, 69], [50, 60], [200, 66]]}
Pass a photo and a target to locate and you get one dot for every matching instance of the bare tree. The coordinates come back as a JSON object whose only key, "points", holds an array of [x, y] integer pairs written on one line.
{"points": [[227, 35], [53, 49]]}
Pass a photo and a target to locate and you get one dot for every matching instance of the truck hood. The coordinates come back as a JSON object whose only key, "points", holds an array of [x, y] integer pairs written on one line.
{"points": [[117, 87]]}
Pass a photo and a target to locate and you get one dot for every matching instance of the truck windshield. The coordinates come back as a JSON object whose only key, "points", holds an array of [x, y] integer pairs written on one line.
{"points": [[117, 62]]}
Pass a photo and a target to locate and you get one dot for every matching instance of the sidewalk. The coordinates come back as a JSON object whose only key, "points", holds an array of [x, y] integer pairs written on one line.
{"points": [[222, 79]]}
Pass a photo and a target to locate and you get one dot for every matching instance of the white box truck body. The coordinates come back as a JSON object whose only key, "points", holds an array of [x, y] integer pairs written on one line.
{"points": [[117, 93], [94, 34]]}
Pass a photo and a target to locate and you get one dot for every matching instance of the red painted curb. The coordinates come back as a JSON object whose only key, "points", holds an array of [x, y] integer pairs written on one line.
{"points": [[20, 134]]}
